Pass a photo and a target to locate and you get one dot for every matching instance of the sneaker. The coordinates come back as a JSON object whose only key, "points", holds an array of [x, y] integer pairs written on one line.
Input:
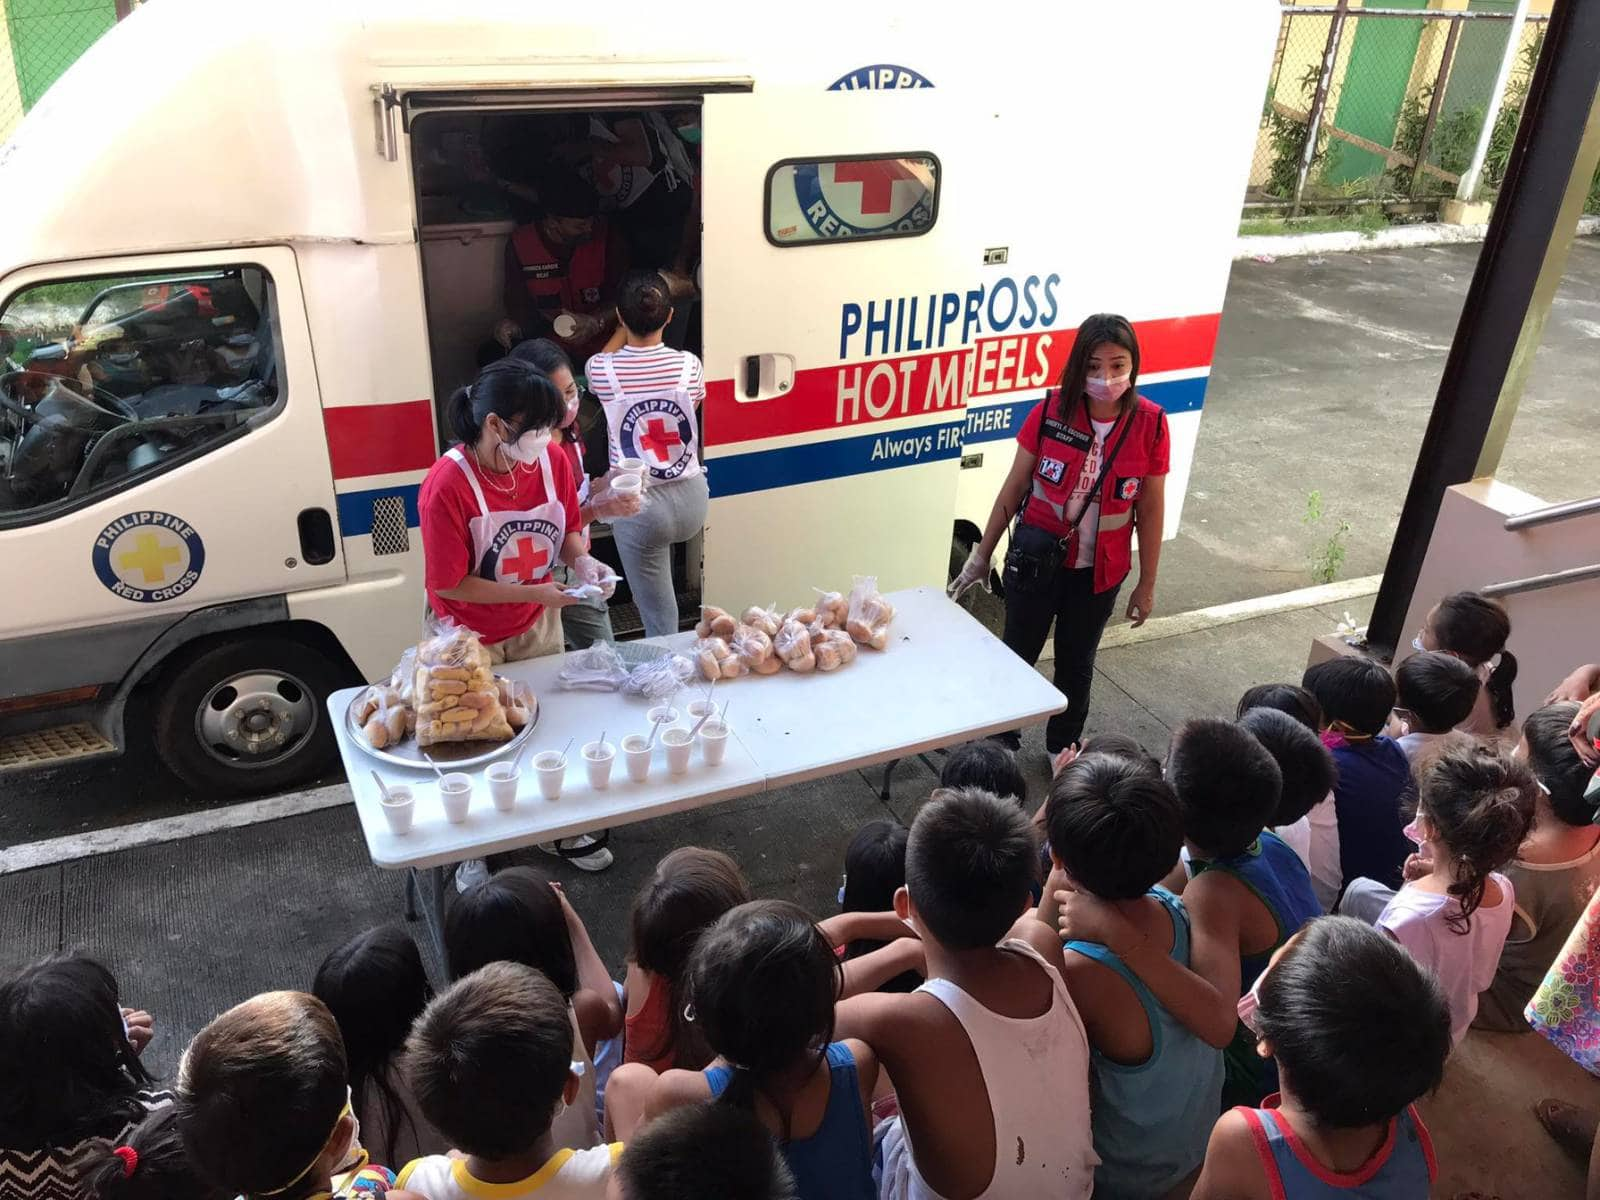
{"points": [[471, 873], [575, 850]]}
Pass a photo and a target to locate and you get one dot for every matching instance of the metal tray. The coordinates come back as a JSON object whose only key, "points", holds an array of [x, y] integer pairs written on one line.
{"points": [[452, 756]]}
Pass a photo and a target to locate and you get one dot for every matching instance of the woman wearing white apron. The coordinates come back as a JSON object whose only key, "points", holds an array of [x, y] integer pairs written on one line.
{"points": [[651, 394], [497, 512]]}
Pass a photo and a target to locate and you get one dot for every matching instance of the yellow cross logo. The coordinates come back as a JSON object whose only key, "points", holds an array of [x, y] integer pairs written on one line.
{"points": [[150, 557]]}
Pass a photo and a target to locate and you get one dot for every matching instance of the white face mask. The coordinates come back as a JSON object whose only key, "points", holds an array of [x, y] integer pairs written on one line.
{"points": [[527, 448]]}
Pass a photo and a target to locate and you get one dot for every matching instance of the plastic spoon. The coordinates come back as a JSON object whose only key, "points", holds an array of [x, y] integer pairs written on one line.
{"points": [[435, 767], [383, 788]]}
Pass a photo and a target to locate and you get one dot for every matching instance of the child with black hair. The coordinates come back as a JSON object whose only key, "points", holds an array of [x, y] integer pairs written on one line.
{"points": [[490, 1061], [762, 986], [1374, 788], [987, 765], [375, 986], [989, 1057], [1475, 629], [518, 915], [264, 1103], [1286, 698], [71, 1077], [1248, 895], [1474, 808], [703, 1152], [1359, 1033], [874, 870], [1306, 819], [1556, 870], [1115, 831], [1434, 692], [146, 1163]]}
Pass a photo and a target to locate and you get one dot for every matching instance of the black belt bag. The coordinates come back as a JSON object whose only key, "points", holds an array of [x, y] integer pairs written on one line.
{"points": [[1033, 559]]}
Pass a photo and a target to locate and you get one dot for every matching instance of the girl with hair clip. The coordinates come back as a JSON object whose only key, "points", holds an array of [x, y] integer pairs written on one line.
{"points": [[71, 1079], [498, 511], [1453, 915], [1090, 467], [1475, 629], [150, 1163], [762, 984]]}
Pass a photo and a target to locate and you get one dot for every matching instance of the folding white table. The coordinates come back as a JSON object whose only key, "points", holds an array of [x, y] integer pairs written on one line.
{"points": [[944, 679]]}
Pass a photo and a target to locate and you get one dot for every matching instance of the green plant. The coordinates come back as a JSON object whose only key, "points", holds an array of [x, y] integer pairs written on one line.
{"points": [[1455, 137], [1287, 136], [1327, 559]]}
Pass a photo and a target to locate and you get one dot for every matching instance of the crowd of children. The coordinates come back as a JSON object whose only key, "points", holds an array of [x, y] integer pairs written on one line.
{"points": [[1139, 993]]}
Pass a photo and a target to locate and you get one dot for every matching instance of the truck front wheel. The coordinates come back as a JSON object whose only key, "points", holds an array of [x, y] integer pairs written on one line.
{"points": [[246, 717]]}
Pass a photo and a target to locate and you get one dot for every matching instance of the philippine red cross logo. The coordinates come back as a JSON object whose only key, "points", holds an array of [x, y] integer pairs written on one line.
{"points": [[1127, 489], [521, 551], [661, 433], [866, 196]]}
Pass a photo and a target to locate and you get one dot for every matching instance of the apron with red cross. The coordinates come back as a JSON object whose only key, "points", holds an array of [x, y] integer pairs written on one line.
{"points": [[514, 547], [658, 426]]}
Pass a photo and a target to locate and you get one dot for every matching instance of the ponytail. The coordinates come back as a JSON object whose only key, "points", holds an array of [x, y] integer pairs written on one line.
{"points": [[1480, 803], [149, 1164], [1498, 685], [519, 394]]}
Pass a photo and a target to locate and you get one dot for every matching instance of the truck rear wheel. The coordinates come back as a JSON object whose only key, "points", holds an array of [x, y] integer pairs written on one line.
{"points": [[246, 717]]}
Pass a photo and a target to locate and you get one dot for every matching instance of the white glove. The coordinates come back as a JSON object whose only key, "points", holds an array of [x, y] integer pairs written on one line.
{"points": [[609, 505], [974, 572], [591, 570]]}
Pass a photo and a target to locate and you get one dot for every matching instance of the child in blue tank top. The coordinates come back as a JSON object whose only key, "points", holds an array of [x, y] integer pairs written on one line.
{"points": [[762, 983], [1360, 1033], [1115, 830]]}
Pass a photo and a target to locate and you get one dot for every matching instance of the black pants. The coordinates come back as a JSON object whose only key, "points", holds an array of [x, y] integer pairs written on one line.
{"points": [[1080, 615]]}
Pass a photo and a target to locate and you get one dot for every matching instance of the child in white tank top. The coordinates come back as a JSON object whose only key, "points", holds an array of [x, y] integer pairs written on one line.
{"points": [[989, 1057]]}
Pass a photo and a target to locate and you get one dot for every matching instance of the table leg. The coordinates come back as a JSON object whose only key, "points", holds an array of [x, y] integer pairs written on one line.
{"points": [[888, 778], [411, 893]]}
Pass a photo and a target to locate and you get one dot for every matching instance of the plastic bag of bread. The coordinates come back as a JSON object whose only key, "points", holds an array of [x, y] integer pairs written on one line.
{"points": [[833, 609], [752, 646], [382, 716], [869, 614], [792, 646], [767, 620], [515, 699], [456, 694], [834, 650], [403, 679], [717, 660], [805, 616], [716, 623]]}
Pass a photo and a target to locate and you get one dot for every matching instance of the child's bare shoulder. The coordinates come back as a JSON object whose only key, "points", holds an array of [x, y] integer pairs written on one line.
{"points": [[1232, 1168]]}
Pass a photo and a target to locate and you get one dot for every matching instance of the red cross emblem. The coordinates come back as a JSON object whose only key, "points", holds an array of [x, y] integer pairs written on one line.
{"points": [[877, 178], [528, 563], [659, 436]]}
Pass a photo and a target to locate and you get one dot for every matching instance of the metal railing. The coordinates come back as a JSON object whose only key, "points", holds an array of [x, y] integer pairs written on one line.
{"points": [[1554, 513], [1536, 583]]}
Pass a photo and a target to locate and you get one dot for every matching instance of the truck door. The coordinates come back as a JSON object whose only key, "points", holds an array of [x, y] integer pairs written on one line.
{"points": [[833, 347]]}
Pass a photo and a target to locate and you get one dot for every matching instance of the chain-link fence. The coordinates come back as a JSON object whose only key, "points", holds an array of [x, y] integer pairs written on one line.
{"points": [[1400, 97], [42, 38]]}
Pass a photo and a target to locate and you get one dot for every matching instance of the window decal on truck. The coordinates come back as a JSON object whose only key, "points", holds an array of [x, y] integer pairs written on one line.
{"points": [[149, 557], [852, 197]]}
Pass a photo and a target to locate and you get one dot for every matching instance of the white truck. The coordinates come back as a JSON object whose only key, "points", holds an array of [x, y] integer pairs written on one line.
{"points": [[246, 253]]}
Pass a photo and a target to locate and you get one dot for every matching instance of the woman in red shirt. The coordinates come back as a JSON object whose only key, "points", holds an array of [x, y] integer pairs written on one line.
{"points": [[1091, 466], [498, 510]]}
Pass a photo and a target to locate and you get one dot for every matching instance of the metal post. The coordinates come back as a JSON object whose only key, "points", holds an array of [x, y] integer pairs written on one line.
{"points": [[1546, 161], [1434, 104], [1468, 189], [123, 8], [1308, 152]]}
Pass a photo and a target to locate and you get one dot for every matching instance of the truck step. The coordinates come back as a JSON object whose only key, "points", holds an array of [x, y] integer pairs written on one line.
{"points": [[43, 747]]}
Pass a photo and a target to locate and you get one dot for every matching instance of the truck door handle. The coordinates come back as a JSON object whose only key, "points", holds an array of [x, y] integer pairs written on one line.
{"points": [[767, 375], [316, 536]]}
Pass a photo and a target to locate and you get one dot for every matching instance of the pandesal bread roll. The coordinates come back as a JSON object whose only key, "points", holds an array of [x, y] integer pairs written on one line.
{"points": [[832, 609], [763, 619], [395, 724], [708, 654], [768, 666], [366, 705], [708, 614], [376, 733], [828, 656], [858, 630], [731, 667], [879, 639], [793, 647], [804, 665], [803, 615], [517, 716]]}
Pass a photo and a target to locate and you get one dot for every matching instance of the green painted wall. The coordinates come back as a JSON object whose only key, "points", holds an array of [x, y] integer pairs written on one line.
{"points": [[1381, 58], [47, 36]]}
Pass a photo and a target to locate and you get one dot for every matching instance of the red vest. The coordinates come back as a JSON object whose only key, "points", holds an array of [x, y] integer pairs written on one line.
{"points": [[1061, 451], [578, 285]]}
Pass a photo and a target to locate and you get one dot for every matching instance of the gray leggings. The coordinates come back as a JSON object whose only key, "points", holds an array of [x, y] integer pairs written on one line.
{"points": [[673, 512]]}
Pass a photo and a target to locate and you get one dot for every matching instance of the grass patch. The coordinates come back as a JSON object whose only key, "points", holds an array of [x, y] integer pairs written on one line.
{"points": [[1366, 221]]}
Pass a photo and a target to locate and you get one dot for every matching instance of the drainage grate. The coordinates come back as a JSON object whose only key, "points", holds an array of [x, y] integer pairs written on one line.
{"points": [[43, 746]]}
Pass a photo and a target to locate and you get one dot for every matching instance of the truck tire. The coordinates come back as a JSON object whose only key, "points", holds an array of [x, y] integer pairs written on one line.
{"points": [[246, 717]]}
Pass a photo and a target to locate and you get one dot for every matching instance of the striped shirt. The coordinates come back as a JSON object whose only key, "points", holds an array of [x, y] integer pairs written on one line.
{"points": [[643, 370], [50, 1173]]}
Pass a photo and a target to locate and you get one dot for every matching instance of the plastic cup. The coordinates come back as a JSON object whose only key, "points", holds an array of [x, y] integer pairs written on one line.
{"points": [[662, 714], [504, 778], [399, 808], [699, 708], [552, 769], [678, 747], [455, 791], [713, 741], [631, 466], [597, 759], [565, 325], [636, 751], [627, 485]]}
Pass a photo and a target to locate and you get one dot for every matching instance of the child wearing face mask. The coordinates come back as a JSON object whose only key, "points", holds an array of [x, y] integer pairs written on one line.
{"points": [[264, 1108], [1475, 629], [490, 1063]]}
